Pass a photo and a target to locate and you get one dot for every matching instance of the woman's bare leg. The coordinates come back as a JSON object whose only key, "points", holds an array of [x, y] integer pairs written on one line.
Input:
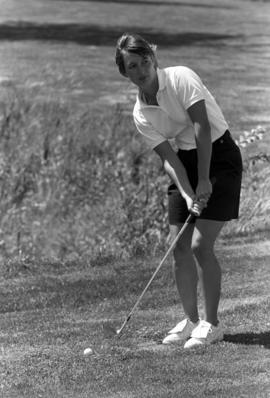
{"points": [[203, 240], [185, 271]]}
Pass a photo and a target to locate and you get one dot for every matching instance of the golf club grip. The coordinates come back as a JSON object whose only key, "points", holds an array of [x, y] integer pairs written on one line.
{"points": [[195, 213]]}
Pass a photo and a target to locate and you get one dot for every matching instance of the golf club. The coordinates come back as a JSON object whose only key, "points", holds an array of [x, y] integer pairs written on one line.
{"points": [[110, 329]]}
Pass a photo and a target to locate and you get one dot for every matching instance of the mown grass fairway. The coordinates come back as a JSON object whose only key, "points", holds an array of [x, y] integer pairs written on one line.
{"points": [[50, 311]]}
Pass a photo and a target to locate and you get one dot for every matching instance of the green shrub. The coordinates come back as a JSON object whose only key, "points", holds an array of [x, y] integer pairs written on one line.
{"points": [[79, 183]]}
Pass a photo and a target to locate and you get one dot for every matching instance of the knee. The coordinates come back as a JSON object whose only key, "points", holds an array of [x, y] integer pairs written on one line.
{"points": [[202, 250], [181, 253]]}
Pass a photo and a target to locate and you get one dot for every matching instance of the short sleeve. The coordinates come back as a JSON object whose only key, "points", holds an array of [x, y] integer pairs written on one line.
{"points": [[189, 87], [151, 137]]}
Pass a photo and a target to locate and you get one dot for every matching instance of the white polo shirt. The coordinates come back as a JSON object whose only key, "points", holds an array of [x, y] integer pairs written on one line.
{"points": [[179, 88]]}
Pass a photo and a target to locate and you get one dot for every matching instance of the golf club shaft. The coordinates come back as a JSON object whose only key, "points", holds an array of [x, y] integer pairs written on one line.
{"points": [[180, 233]]}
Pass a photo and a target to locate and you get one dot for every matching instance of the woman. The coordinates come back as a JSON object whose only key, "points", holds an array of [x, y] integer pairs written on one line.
{"points": [[173, 103]]}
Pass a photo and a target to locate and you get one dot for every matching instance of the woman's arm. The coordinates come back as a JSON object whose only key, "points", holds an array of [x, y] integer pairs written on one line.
{"points": [[175, 169], [198, 115]]}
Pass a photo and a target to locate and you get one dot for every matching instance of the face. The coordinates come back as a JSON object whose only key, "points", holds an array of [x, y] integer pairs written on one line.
{"points": [[140, 70]]}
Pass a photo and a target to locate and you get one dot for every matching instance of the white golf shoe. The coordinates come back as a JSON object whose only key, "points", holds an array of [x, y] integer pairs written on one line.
{"points": [[205, 334], [180, 333]]}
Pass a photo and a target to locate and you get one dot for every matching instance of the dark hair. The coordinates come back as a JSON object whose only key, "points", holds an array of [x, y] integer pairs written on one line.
{"points": [[135, 44]]}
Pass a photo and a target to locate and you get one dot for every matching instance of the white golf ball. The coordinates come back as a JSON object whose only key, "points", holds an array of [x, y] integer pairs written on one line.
{"points": [[88, 351]]}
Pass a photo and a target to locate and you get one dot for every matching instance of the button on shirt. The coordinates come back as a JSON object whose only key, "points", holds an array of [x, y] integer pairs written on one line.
{"points": [[179, 88]]}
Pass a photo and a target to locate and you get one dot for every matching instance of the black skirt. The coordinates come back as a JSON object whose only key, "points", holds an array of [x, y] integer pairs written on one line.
{"points": [[226, 172]]}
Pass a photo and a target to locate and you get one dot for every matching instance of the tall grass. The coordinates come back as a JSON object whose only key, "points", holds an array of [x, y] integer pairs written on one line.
{"points": [[78, 183]]}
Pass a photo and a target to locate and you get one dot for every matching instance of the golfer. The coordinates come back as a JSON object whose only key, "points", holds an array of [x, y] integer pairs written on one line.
{"points": [[205, 171]]}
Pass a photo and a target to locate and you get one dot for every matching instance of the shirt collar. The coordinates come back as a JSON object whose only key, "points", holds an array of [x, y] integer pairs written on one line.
{"points": [[161, 79], [161, 85]]}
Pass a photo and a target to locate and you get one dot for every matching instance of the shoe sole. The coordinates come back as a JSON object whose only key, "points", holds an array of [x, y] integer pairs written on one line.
{"points": [[206, 343]]}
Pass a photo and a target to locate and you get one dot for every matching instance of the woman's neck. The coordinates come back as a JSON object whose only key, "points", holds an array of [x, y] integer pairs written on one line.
{"points": [[149, 94], [150, 99]]}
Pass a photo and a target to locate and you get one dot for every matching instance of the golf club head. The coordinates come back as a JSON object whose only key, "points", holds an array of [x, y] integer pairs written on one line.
{"points": [[109, 330]]}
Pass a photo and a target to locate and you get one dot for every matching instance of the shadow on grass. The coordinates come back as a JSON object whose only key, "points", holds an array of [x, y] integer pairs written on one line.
{"points": [[96, 35], [261, 339], [157, 3]]}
